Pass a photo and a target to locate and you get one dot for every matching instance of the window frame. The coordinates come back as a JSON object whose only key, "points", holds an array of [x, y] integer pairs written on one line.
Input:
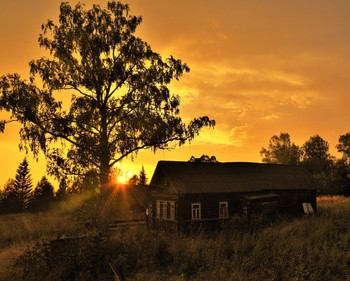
{"points": [[196, 211], [172, 215], [223, 210], [166, 210]]}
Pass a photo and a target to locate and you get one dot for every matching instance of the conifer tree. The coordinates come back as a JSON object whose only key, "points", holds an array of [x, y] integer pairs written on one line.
{"points": [[142, 177], [43, 195], [22, 186]]}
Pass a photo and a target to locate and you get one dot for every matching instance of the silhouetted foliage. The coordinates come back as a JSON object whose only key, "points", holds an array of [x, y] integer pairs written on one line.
{"points": [[281, 151], [88, 182], [43, 196], [330, 173], [142, 178], [335, 179], [120, 100], [17, 192], [315, 155], [133, 180], [344, 147], [204, 159], [8, 199], [320, 163], [62, 189], [22, 186]]}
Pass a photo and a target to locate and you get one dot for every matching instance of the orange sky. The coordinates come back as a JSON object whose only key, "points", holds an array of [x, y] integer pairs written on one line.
{"points": [[257, 67]]}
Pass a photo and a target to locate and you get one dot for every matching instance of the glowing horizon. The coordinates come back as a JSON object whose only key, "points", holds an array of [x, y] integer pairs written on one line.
{"points": [[254, 69]]}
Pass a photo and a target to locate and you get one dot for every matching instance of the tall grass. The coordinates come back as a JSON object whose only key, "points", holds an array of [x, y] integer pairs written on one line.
{"points": [[67, 218], [19, 232], [305, 248]]}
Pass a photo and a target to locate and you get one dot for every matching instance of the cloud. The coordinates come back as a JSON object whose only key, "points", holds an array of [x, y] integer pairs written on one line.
{"points": [[298, 101], [271, 117], [223, 135], [239, 135]]}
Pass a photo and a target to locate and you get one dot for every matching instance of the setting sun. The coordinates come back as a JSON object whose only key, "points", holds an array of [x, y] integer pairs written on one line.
{"points": [[122, 177]]}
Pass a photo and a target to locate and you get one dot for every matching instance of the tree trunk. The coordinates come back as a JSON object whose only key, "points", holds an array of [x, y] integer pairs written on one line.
{"points": [[104, 195], [104, 173]]}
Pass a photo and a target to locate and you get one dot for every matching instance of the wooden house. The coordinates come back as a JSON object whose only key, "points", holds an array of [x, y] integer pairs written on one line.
{"points": [[186, 193]]}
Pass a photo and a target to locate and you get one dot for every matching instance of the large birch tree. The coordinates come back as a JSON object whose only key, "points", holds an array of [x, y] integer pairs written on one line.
{"points": [[118, 89]]}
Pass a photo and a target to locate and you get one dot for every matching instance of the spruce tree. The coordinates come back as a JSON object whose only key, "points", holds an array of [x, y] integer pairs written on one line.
{"points": [[142, 177], [22, 186]]}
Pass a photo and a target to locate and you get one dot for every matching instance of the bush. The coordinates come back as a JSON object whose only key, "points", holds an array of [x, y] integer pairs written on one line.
{"points": [[65, 259]]}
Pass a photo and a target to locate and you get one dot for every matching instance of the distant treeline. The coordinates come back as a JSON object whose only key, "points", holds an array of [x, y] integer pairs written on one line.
{"points": [[332, 174], [19, 195]]}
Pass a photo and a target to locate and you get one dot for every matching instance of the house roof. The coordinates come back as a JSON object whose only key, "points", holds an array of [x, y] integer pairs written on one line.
{"points": [[187, 177]]}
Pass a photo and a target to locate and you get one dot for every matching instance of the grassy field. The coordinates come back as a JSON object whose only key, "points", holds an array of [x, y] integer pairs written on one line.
{"points": [[304, 248]]}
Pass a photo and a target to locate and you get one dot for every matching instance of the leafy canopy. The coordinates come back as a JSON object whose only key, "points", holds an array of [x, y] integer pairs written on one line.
{"points": [[281, 150], [315, 155], [118, 87], [344, 147]]}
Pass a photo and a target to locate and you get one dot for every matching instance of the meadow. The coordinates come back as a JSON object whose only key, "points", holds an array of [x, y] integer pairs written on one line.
{"points": [[303, 248]]}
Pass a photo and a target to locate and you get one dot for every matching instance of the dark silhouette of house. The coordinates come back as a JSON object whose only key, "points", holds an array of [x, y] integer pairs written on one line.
{"points": [[193, 193]]}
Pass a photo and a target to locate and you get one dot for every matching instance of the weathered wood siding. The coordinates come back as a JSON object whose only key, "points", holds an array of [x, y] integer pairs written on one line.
{"points": [[290, 201], [209, 205]]}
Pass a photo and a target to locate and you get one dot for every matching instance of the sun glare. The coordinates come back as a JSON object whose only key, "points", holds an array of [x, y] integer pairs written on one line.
{"points": [[122, 179]]}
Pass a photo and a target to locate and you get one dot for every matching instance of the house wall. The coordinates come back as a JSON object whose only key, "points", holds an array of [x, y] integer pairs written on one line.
{"points": [[209, 205], [154, 220], [290, 201]]}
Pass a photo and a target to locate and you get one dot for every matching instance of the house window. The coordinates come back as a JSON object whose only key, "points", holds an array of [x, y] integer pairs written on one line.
{"points": [[166, 210], [196, 211], [307, 207], [161, 209], [172, 211], [223, 210], [158, 209]]}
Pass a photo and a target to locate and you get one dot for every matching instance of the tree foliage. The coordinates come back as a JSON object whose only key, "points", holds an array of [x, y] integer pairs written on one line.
{"points": [[344, 147], [316, 148], [43, 196], [316, 156], [281, 150], [23, 186], [8, 199], [332, 174], [204, 159], [17, 192], [133, 180], [118, 86], [142, 178]]}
